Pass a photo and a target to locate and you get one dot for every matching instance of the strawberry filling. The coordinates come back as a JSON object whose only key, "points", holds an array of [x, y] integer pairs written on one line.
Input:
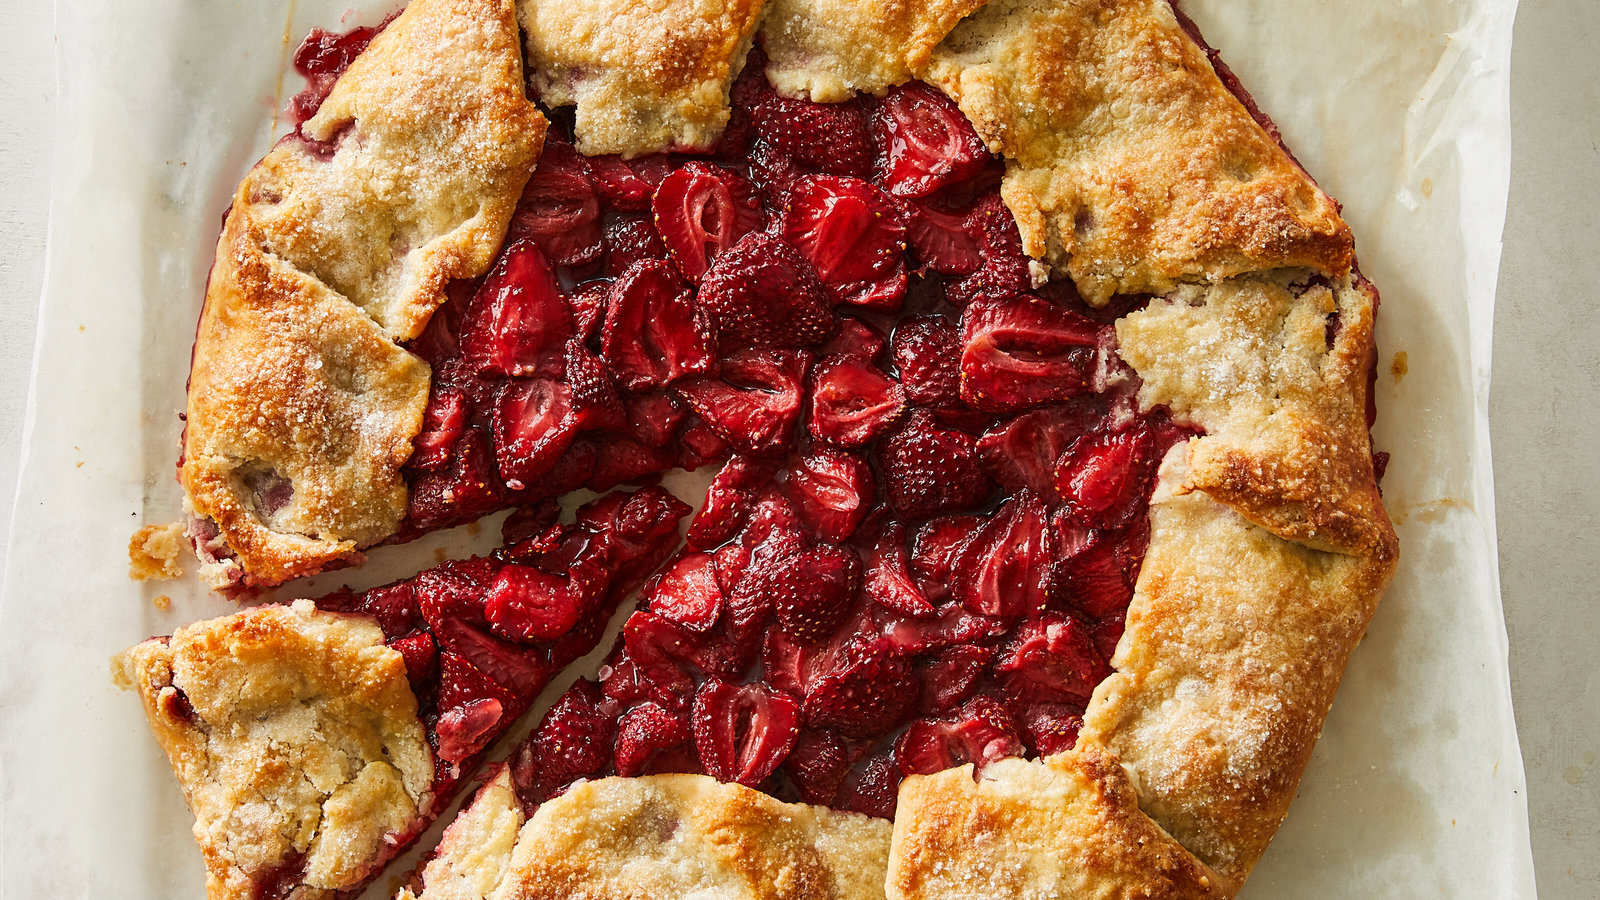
{"points": [[928, 515]]}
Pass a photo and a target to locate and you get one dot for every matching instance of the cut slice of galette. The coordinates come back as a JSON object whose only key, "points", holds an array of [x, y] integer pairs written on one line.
{"points": [[1034, 376]]}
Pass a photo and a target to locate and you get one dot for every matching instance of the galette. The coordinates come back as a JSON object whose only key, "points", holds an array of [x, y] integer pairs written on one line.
{"points": [[1029, 375]]}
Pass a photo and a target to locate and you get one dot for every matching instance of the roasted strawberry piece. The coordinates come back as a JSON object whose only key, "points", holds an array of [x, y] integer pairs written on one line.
{"points": [[813, 595], [421, 655], [817, 765], [825, 137], [980, 733], [559, 209], [1050, 728], [573, 741], [934, 549], [1004, 570], [1103, 479], [927, 354], [653, 333], [1052, 659], [595, 402], [754, 399], [534, 422], [762, 293], [831, 491], [530, 524], [440, 341], [729, 499], [687, 593], [628, 184], [925, 142], [852, 401], [1022, 452], [619, 460], [767, 571], [443, 421], [929, 470], [517, 323], [855, 339], [1094, 581], [871, 788], [866, 691], [630, 240], [462, 490], [775, 174], [1003, 271], [665, 653], [888, 578], [942, 236], [526, 604], [952, 675], [471, 707], [646, 736], [655, 417], [853, 236], [700, 210], [700, 445], [587, 303], [1024, 352], [743, 732]]}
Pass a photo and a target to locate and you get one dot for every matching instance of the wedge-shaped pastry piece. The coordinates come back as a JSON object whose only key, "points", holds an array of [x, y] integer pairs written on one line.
{"points": [[1131, 166], [829, 50], [653, 836], [315, 741], [644, 76], [341, 240]]}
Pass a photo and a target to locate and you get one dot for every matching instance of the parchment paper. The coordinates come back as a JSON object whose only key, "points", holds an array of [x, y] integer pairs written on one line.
{"points": [[1399, 108]]}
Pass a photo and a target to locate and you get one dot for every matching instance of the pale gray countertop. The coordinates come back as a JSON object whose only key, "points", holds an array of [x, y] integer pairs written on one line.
{"points": [[1545, 405]]}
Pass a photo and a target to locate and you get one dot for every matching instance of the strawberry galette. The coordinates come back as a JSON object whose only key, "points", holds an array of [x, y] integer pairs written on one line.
{"points": [[1031, 377]]}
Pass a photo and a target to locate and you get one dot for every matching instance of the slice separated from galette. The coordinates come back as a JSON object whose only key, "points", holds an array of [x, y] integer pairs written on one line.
{"points": [[1035, 377]]}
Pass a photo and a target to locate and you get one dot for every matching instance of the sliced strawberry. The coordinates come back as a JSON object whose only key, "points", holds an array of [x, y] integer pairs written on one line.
{"points": [[888, 578], [700, 211], [559, 209], [1103, 478], [1095, 581], [573, 741], [655, 417], [515, 667], [943, 237], [587, 303], [700, 445], [831, 491], [1005, 569], [855, 339], [852, 401], [754, 400], [813, 595], [926, 142], [870, 788], [775, 174], [421, 655], [619, 460], [442, 423], [631, 240], [525, 604], [770, 570], [595, 402], [517, 323], [463, 490], [865, 693], [687, 593], [935, 548], [817, 765], [461, 682], [628, 184], [729, 498], [440, 341], [927, 354], [531, 523], [653, 333], [853, 236], [1022, 452], [933, 745], [1050, 728], [762, 293], [646, 735], [1003, 272], [534, 422], [465, 729], [1024, 352], [1052, 659], [929, 470], [743, 732], [953, 674], [829, 137]]}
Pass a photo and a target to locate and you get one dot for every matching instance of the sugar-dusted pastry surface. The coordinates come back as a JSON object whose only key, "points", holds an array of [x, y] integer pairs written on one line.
{"points": [[829, 50]]}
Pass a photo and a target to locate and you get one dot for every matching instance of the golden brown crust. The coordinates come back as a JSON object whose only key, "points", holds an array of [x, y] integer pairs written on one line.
{"points": [[295, 737], [156, 552], [668, 836], [301, 406], [828, 50], [1069, 826], [644, 76], [1130, 166], [1284, 412]]}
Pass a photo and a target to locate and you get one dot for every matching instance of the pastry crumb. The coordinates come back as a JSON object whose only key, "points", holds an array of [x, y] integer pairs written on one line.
{"points": [[155, 551], [162, 602], [1399, 366]]}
